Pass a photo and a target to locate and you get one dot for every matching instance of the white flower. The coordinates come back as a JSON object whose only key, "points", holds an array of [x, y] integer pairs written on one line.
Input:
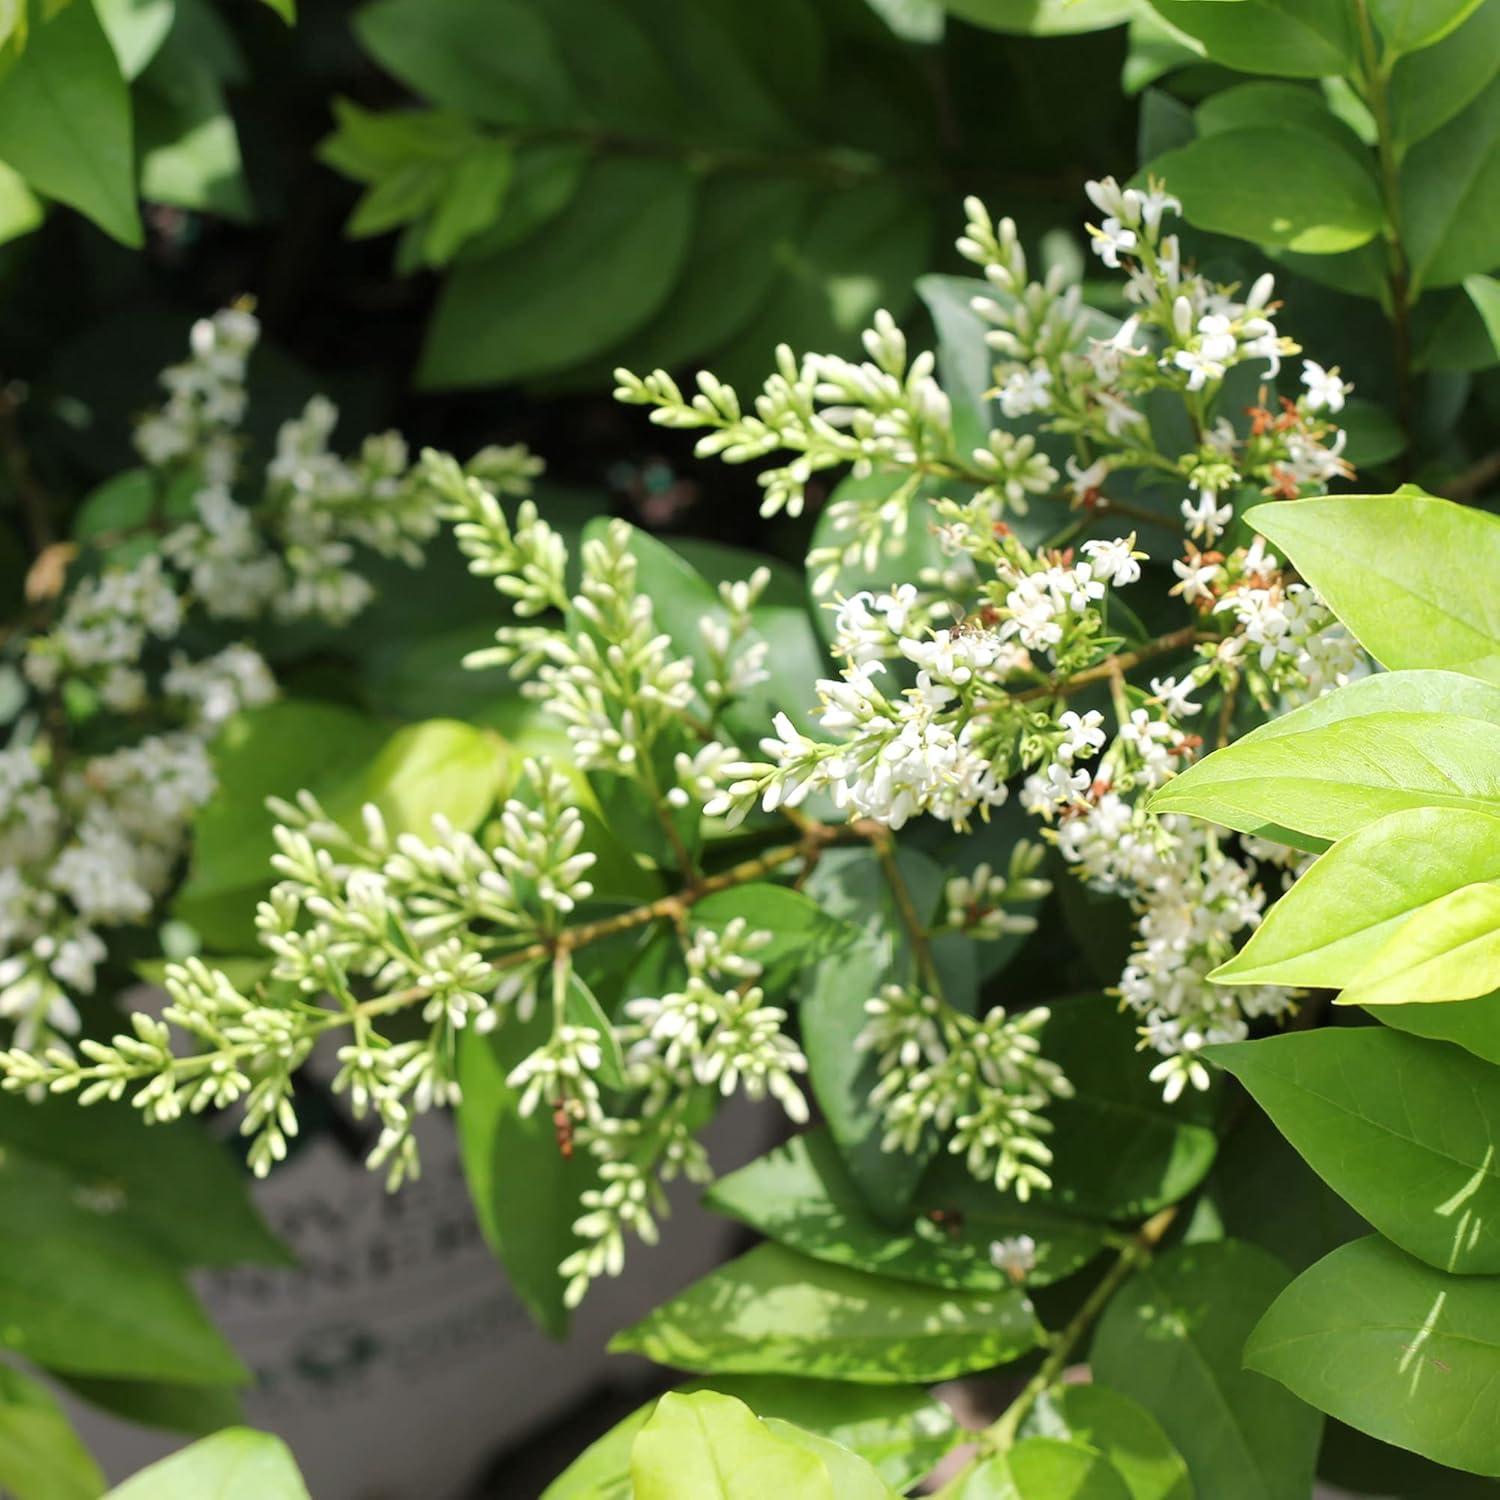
{"points": [[1115, 561], [1206, 518], [1082, 734], [1325, 390]]}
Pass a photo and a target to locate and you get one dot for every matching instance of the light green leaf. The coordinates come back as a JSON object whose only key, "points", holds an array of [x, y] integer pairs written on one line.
{"points": [[1340, 775], [965, 361], [712, 1447], [1449, 949], [1123, 1431], [41, 1457], [1334, 922], [1046, 1468], [593, 274], [446, 50], [136, 29], [236, 1464], [912, 20], [900, 1430], [439, 767], [20, 209], [1043, 17], [1450, 196], [1385, 1343], [1158, 1152], [1409, 25], [1286, 38], [148, 1172], [776, 1312], [1171, 1339], [1280, 185], [1385, 564], [850, 1476], [286, 9], [1429, 87], [525, 1190], [1484, 293], [65, 121], [127, 1311], [1403, 1129], [801, 1196]]}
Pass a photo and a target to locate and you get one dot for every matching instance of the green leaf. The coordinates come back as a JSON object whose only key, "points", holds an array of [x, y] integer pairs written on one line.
{"points": [[127, 1311], [236, 1464], [593, 274], [20, 209], [1046, 1468], [965, 361], [438, 768], [1428, 88], [1385, 1343], [711, 1447], [1123, 1431], [41, 1457], [801, 933], [801, 1196], [1450, 196], [849, 1475], [65, 122], [1448, 949], [1287, 38], [1275, 185], [773, 1311], [900, 1430], [1401, 1128], [1171, 1339], [1473, 1025], [525, 1190], [447, 51], [1385, 565], [1268, 105], [1197, 790], [136, 29], [1333, 923], [190, 150], [286, 9], [148, 1172], [1408, 25], [1341, 775], [544, 181], [1043, 17], [193, 1409], [580, 1008], [1157, 1152]]}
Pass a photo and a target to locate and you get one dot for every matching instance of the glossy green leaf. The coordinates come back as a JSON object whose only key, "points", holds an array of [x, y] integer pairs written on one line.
{"points": [[65, 121], [801, 1196], [1385, 566], [1448, 949], [446, 50], [899, 1430], [1046, 1468], [1450, 196], [1286, 38], [1123, 1431], [1385, 1343], [1473, 1025], [237, 1464], [1043, 17], [1339, 776], [1429, 87], [1172, 1339], [1157, 1152], [127, 1311], [1336, 919], [1408, 25], [595, 273], [525, 1190], [41, 1457], [776, 1312], [440, 767], [1403, 1129], [711, 1447], [1278, 185], [147, 1172]]}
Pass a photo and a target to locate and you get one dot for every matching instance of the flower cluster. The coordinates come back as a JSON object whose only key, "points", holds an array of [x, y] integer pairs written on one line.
{"points": [[109, 763], [982, 1082]]}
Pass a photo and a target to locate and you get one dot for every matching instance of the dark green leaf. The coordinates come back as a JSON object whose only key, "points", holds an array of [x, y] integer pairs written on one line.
{"points": [[1287, 38], [1172, 1340], [194, 1409], [801, 1196], [1043, 17], [1408, 25], [1429, 87], [1473, 1025], [801, 933], [1385, 1343], [775, 1312]]}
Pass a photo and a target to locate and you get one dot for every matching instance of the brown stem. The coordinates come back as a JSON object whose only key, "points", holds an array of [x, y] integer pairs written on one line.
{"points": [[906, 909], [1126, 661], [1475, 480]]}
